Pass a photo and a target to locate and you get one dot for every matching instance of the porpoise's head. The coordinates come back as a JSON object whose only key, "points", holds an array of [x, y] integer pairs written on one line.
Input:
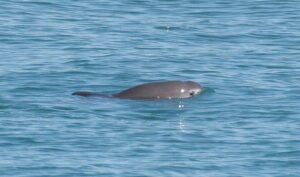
{"points": [[191, 89]]}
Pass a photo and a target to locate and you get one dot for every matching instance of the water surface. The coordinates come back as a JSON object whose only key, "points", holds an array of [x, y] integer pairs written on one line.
{"points": [[245, 53]]}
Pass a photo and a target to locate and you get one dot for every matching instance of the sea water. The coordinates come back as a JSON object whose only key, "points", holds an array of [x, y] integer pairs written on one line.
{"points": [[245, 53]]}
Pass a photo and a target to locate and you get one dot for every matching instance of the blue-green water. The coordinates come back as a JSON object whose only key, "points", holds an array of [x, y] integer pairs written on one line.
{"points": [[247, 55]]}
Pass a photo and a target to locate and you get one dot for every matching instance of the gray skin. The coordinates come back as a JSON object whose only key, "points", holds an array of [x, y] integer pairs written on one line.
{"points": [[154, 90]]}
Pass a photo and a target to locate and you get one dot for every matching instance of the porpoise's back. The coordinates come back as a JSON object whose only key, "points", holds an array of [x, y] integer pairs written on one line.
{"points": [[155, 90]]}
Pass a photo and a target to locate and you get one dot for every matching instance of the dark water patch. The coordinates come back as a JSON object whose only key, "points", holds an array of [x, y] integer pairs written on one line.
{"points": [[18, 140], [63, 108], [287, 154], [195, 71], [25, 89], [43, 3]]}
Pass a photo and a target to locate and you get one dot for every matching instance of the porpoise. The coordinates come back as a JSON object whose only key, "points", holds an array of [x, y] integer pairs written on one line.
{"points": [[154, 90]]}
